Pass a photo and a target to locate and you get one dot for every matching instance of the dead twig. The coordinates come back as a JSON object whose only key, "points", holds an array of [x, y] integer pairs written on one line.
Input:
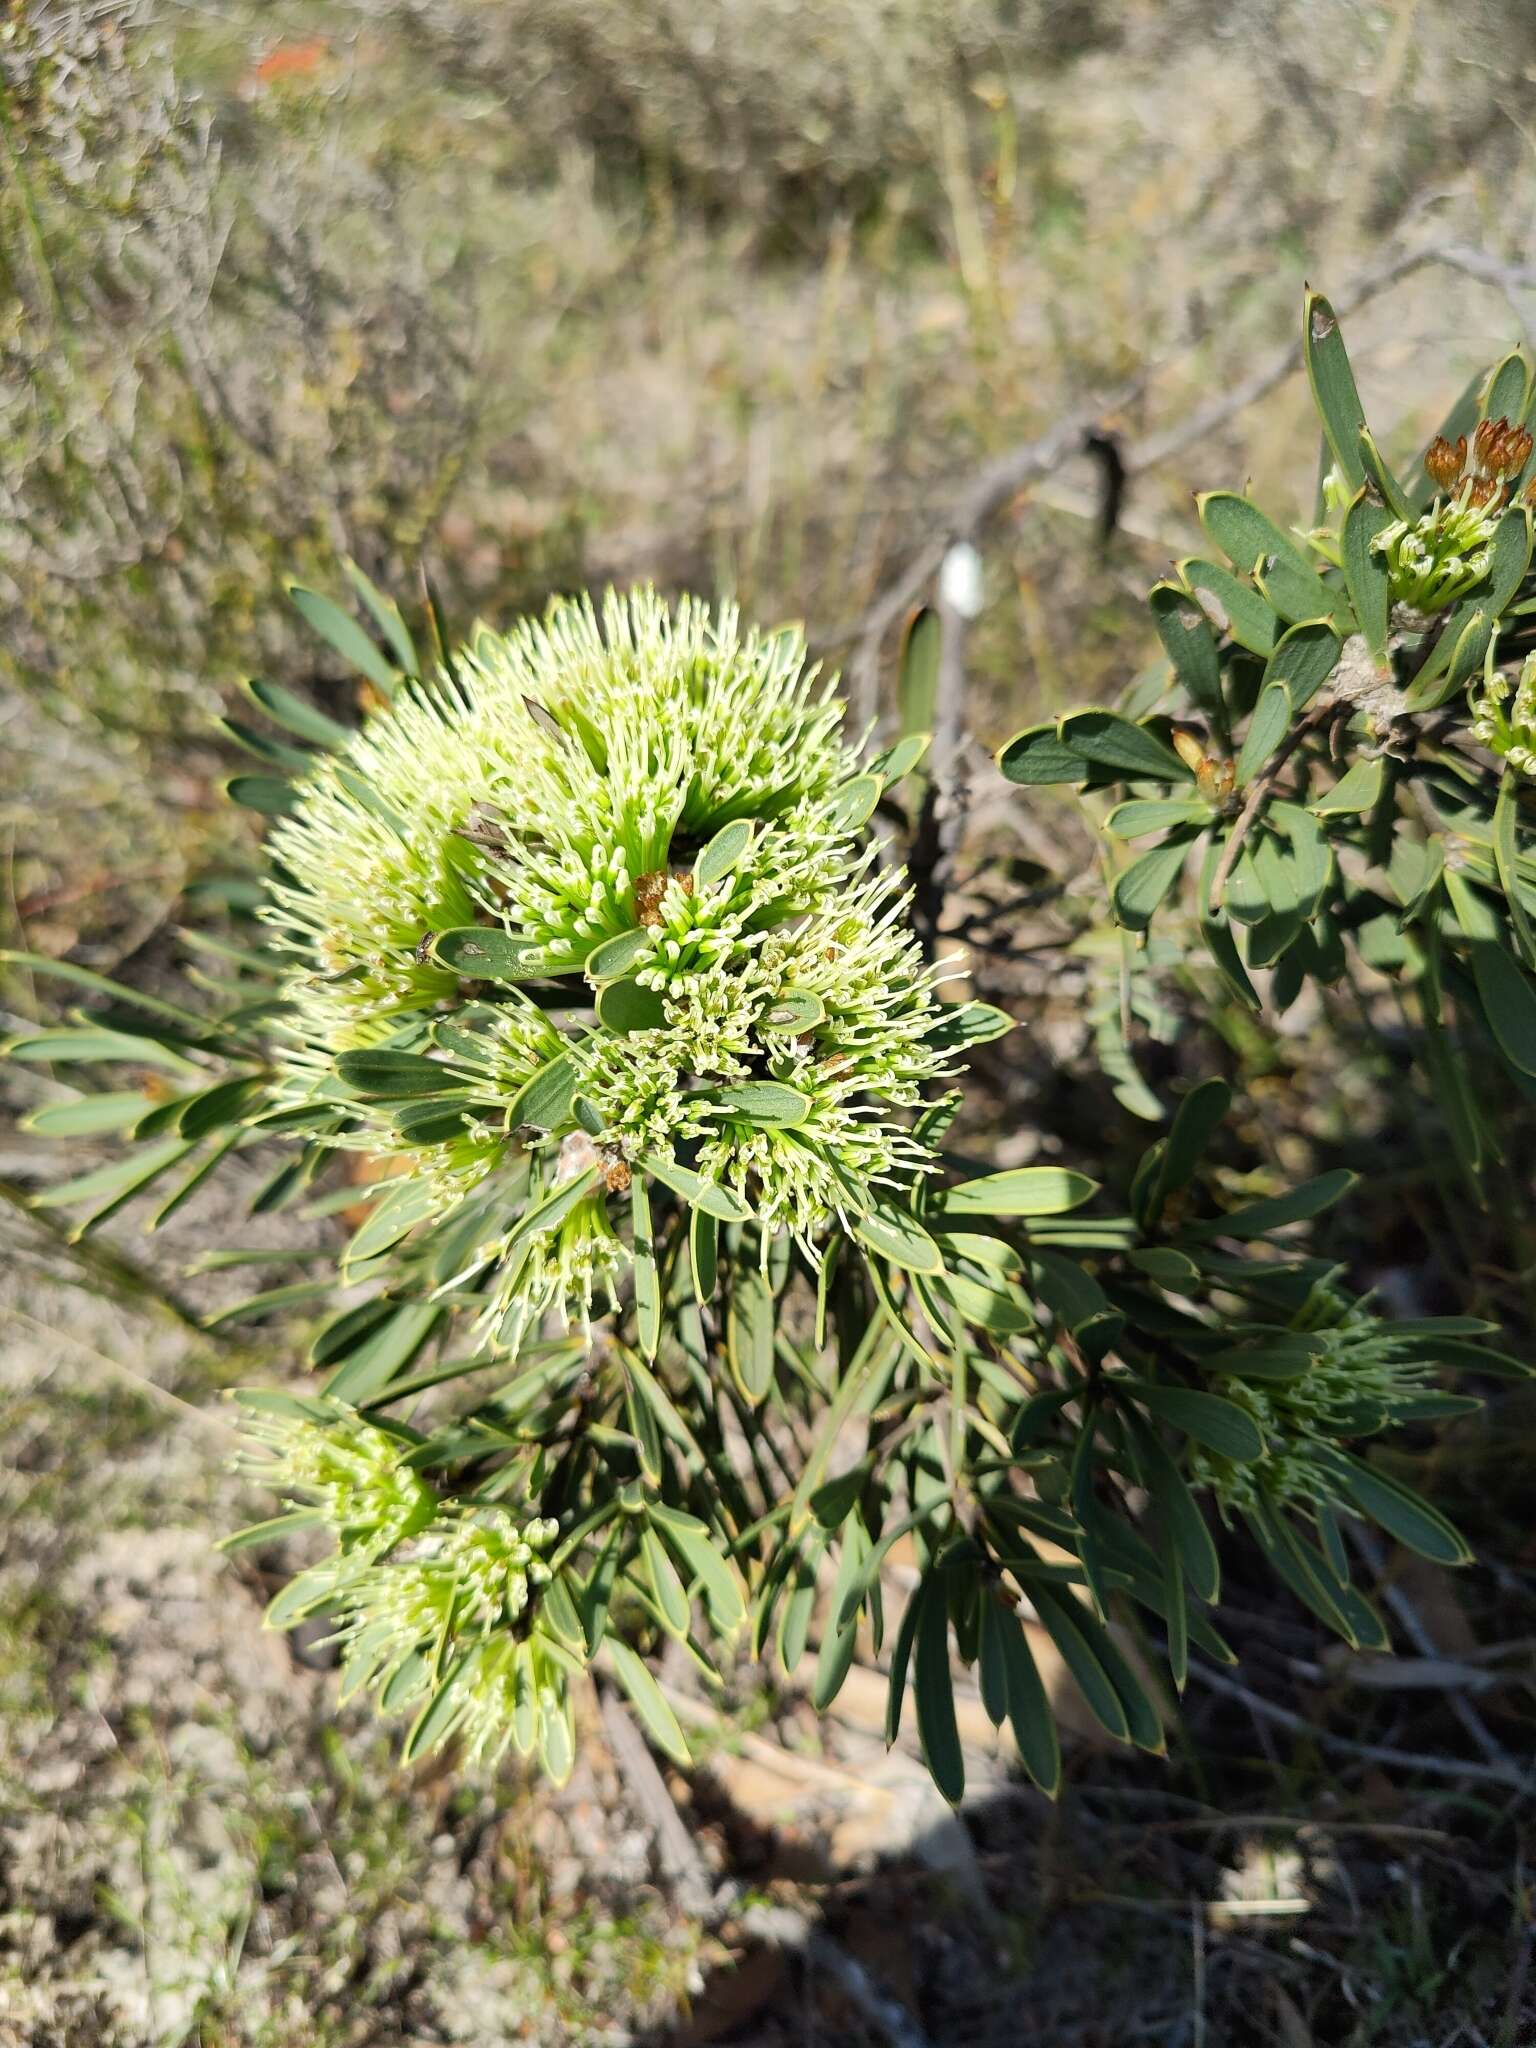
{"points": [[1423, 1641], [676, 1851], [1460, 1769], [783, 1928]]}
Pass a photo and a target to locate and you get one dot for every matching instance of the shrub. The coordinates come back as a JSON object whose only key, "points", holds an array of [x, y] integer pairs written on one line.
{"points": [[674, 1309]]}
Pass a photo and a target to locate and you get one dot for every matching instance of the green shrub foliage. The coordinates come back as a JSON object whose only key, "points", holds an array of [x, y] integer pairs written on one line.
{"points": [[671, 1310]]}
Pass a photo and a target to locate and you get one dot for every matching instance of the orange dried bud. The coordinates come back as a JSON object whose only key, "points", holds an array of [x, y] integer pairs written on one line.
{"points": [[615, 1169], [1189, 750], [1501, 449], [1445, 460], [1480, 491], [650, 889]]}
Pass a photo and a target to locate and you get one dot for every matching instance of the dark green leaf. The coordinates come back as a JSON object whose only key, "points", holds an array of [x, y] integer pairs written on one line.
{"points": [[346, 636], [624, 1006], [486, 953], [1109, 741], [615, 958], [1141, 887], [1333, 387], [1211, 1420], [295, 716], [1038, 756], [1190, 645], [1301, 1203], [1232, 606], [934, 1693]]}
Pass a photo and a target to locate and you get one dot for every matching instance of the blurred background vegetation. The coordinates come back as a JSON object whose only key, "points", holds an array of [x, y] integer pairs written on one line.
{"points": [[734, 296]]}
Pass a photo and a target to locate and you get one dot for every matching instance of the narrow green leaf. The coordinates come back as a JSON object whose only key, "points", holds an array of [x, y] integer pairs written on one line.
{"points": [[547, 1099], [295, 716], [1064, 1622], [749, 1332], [385, 614], [1178, 1510], [1400, 1511], [794, 1009], [1357, 789], [1232, 606], [647, 1279], [615, 958], [117, 1181], [708, 1195], [763, 1102], [1022, 1191], [854, 803], [69, 1045], [1039, 756], [272, 795], [343, 633], [383, 1076], [1378, 472], [1141, 887], [85, 1116], [1254, 544], [645, 1694], [899, 1237], [1508, 1002], [1508, 389], [1506, 853], [1190, 646], [703, 1254], [86, 977], [1333, 387], [918, 676], [1270, 723], [1029, 1711], [934, 1693], [1365, 567], [1210, 1419], [1109, 741], [1142, 815], [1304, 658], [703, 1556], [1310, 1199], [363, 1377], [671, 1600]]}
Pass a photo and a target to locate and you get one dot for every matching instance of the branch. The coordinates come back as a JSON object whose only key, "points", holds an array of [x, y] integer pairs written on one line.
{"points": [[1259, 795]]}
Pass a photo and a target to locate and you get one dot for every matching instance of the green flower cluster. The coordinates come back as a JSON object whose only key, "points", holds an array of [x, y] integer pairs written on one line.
{"points": [[610, 875], [1504, 715], [1352, 1377], [418, 1587], [334, 1467], [1434, 560]]}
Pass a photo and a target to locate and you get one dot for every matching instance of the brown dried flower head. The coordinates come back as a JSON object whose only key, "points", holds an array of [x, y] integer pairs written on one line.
{"points": [[1501, 450], [649, 890], [1445, 460]]}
